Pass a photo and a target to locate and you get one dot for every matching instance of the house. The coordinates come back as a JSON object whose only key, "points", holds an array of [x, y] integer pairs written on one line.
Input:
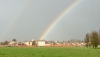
{"points": [[13, 43], [41, 43], [28, 43]]}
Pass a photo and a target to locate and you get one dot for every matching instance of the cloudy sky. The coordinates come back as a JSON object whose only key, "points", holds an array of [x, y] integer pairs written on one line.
{"points": [[29, 19]]}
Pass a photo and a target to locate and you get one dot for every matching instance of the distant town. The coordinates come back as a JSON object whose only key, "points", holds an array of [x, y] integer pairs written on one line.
{"points": [[35, 43]]}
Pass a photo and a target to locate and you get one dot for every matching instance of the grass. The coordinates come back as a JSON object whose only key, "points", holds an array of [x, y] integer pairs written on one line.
{"points": [[49, 52]]}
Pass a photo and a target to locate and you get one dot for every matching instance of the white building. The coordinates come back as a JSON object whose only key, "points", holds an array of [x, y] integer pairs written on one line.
{"points": [[28, 43], [41, 43], [13, 43]]}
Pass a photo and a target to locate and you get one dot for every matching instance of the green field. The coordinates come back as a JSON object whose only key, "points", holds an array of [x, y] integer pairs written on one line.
{"points": [[49, 52]]}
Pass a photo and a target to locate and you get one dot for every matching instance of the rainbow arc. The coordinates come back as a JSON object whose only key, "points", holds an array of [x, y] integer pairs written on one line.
{"points": [[53, 24]]}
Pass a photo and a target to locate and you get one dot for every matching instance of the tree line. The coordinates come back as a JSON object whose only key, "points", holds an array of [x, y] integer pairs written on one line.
{"points": [[7, 42], [92, 39]]}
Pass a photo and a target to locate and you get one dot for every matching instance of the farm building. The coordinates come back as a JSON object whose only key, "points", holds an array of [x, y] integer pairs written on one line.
{"points": [[13, 43], [28, 43], [41, 43]]}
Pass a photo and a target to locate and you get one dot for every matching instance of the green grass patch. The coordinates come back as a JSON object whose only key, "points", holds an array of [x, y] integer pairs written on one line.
{"points": [[49, 52]]}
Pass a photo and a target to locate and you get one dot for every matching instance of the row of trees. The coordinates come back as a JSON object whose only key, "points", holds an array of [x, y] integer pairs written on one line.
{"points": [[92, 39], [7, 42]]}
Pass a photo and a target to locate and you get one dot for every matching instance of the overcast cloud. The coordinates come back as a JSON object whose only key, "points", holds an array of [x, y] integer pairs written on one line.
{"points": [[28, 19]]}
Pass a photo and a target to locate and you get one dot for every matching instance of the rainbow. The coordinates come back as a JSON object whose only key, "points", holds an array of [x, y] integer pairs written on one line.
{"points": [[58, 19], [14, 19]]}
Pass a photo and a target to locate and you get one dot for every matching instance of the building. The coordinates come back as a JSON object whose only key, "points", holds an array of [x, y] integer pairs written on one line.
{"points": [[41, 43], [13, 43], [28, 43]]}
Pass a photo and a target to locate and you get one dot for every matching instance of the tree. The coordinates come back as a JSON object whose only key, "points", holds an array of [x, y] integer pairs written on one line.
{"points": [[94, 38], [99, 37], [14, 40], [5, 43], [87, 40], [33, 43]]}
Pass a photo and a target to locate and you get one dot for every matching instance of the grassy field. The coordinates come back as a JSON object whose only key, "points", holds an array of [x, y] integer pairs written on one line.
{"points": [[49, 52]]}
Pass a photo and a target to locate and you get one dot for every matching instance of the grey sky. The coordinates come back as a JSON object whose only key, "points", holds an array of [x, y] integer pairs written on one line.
{"points": [[28, 19]]}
